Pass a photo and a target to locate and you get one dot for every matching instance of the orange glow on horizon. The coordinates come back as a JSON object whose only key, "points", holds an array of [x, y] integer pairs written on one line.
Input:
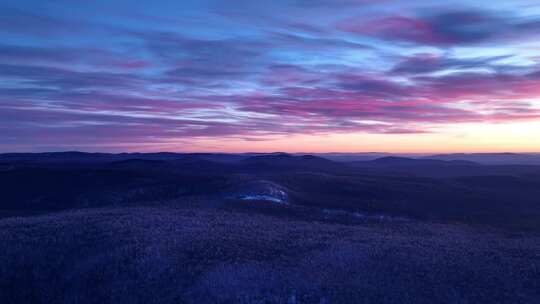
{"points": [[519, 137]]}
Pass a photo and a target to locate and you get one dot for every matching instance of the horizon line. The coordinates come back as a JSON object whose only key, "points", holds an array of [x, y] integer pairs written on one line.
{"points": [[264, 152]]}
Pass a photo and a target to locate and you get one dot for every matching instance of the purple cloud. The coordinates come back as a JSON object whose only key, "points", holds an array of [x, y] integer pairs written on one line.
{"points": [[453, 27]]}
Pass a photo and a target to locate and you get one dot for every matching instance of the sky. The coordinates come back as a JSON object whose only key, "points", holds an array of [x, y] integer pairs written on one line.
{"points": [[261, 76]]}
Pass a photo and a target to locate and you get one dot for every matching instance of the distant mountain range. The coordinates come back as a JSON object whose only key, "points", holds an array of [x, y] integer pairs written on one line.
{"points": [[75, 156], [405, 161], [445, 189], [492, 158], [282, 158]]}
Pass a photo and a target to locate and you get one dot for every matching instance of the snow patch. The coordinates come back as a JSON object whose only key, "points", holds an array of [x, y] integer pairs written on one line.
{"points": [[262, 198], [260, 190]]}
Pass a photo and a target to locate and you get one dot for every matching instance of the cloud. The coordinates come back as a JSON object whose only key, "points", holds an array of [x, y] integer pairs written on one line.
{"points": [[240, 74], [61, 78], [64, 56], [446, 28], [334, 3], [429, 63]]}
